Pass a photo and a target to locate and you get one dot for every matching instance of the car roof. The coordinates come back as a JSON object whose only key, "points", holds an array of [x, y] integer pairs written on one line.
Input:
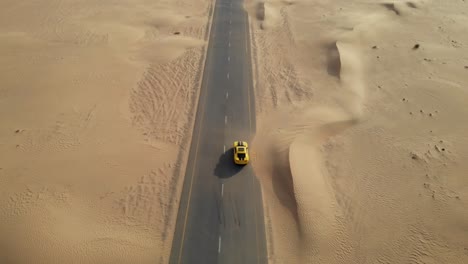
{"points": [[240, 148]]}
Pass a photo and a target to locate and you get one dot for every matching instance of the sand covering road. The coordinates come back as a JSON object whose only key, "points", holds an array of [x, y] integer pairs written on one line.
{"points": [[97, 102], [361, 145]]}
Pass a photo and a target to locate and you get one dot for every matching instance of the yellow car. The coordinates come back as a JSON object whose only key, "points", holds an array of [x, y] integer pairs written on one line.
{"points": [[241, 152]]}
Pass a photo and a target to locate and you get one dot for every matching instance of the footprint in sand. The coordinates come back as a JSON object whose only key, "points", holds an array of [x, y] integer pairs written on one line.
{"points": [[411, 4], [392, 7]]}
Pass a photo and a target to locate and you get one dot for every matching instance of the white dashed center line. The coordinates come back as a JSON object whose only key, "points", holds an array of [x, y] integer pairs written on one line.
{"points": [[225, 119], [229, 32], [228, 75], [230, 22], [229, 58], [222, 189], [227, 95], [224, 149], [229, 44], [219, 244]]}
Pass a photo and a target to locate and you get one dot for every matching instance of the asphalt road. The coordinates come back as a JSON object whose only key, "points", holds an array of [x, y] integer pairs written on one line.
{"points": [[220, 217]]}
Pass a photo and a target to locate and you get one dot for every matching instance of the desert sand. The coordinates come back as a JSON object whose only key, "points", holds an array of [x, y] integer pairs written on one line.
{"points": [[97, 104], [362, 144]]}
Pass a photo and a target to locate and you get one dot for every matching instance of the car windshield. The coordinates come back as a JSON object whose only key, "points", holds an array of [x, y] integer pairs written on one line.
{"points": [[241, 155]]}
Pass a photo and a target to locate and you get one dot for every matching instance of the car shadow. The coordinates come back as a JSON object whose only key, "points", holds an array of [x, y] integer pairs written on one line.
{"points": [[226, 168]]}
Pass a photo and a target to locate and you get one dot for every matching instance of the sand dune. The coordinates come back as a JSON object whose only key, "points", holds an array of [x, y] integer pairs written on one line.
{"points": [[92, 145], [360, 144]]}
